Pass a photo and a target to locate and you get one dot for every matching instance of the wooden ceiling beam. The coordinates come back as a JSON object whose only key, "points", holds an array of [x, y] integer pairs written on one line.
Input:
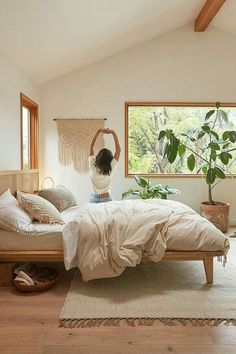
{"points": [[207, 13]]}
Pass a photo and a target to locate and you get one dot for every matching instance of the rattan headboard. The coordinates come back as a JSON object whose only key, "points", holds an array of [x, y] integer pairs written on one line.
{"points": [[27, 181]]}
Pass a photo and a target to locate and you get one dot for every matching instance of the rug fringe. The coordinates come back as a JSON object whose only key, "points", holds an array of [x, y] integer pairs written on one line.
{"points": [[134, 322]]}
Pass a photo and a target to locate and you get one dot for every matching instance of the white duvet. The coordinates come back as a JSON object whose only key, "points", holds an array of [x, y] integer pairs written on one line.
{"points": [[108, 237]]}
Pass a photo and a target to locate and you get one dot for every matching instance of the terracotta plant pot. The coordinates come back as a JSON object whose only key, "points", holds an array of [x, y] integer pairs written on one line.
{"points": [[218, 214]]}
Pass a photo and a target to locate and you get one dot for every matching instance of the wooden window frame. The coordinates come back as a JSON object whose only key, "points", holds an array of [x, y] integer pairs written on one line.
{"points": [[34, 130], [167, 104]]}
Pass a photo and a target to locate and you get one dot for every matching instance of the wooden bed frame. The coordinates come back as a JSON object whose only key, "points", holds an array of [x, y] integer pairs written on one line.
{"points": [[9, 258], [29, 182]]}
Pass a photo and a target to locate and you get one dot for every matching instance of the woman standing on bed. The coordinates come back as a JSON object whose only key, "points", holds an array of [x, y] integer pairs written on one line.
{"points": [[102, 167]]}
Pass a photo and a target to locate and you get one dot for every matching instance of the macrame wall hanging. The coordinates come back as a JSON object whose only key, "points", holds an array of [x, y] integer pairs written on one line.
{"points": [[74, 138]]}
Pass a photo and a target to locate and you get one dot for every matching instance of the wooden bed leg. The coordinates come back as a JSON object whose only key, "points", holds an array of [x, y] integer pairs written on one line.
{"points": [[6, 273], [208, 266]]}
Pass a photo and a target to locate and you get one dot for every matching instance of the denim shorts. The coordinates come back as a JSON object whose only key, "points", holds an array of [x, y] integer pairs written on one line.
{"points": [[99, 198]]}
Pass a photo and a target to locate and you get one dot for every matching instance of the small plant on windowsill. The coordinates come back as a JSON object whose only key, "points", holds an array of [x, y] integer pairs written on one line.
{"points": [[213, 149], [148, 191]]}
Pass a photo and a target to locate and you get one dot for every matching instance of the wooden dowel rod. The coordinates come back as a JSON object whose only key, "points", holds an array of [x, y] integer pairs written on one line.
{"points": [[80, 118]]}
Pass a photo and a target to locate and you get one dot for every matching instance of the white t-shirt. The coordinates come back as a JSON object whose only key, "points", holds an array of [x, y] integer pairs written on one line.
{"points": [[100, 183]]}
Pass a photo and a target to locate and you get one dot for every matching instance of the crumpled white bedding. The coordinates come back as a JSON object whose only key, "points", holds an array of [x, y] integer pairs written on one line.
{"points": [[108, 237], [36, 228]]}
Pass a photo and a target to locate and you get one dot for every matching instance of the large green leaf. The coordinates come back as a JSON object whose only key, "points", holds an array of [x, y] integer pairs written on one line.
{"points": [[171, 153], [142, 182], [225, 157], [174, 142], [213, 155], [219, 172], [232, 136], [181, 150], [209, 114], [206, 129], [225, 135], [210, 176], [214, 146], [191, 162]]}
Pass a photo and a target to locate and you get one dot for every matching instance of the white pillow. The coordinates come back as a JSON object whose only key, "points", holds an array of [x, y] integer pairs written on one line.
{"points": [[12, 216], [39, 208]]}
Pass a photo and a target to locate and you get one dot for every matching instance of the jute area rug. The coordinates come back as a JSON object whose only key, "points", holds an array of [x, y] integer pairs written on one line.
{"points": [[169, 293]]}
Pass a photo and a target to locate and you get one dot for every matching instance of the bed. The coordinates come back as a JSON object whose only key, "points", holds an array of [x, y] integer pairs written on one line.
{"points": [[47, 244]]}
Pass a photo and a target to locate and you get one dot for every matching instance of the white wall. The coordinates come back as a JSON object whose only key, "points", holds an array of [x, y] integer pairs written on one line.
{"points": [[179, 66], [12, 81]]}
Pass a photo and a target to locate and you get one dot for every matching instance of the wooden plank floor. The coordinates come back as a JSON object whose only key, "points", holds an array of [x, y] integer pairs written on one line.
{"points": [[29, 325]]}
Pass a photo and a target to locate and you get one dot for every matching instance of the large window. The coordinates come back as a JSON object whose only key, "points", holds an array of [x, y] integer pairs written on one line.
{"points": [[145, 154], [29, 133]]}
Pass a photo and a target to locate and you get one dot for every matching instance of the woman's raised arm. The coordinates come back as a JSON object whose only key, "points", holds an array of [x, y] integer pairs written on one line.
{"points": [[91, 149], [117, 145]]}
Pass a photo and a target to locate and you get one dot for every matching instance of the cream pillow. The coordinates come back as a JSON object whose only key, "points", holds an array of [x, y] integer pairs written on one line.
{"points": [[12, 216], [39, 208], [60, 197]]}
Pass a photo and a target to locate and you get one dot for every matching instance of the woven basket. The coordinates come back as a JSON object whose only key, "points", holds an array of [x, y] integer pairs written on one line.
{"points": [[40, 286]]}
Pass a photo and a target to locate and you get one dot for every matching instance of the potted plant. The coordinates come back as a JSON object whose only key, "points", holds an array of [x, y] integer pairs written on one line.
{"points": [[148, 191], [212, 148]]}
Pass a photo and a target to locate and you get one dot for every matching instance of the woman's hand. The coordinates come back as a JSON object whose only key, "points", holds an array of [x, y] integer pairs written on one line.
{"points": [[106, 131]]}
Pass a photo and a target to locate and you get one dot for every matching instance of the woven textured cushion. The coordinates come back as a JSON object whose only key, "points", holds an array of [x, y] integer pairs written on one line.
{"points": [[12, 216], [39, 208], [60, 197]]}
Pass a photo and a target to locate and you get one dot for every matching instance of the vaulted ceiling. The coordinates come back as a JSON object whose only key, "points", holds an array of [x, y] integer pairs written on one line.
{"points": [[48, 39]]}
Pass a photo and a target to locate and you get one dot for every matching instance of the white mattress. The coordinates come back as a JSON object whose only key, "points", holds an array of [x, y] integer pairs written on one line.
{"points": [[11, 241], [44, 237]]}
